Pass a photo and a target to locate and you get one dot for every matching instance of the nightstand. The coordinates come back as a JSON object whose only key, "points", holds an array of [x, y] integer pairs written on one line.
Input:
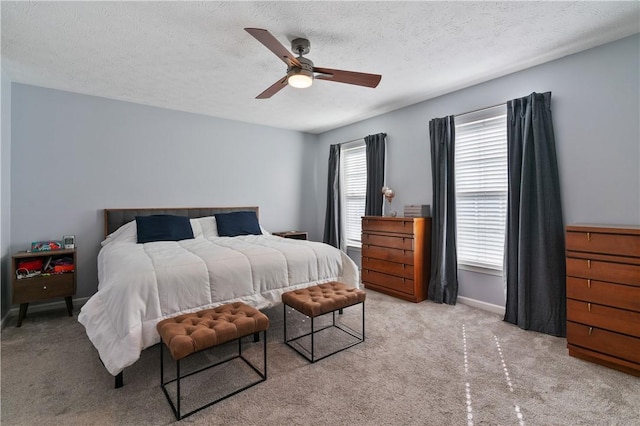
{"points": [[48, 274], [296, 235]]}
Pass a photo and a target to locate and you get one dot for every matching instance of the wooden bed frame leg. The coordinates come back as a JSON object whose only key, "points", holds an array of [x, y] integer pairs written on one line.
{"points": [[256, 337], [119, 380]]}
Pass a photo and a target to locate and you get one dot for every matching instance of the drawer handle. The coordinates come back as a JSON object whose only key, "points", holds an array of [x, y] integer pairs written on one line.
{"points": [[589, 263], [590, 330], [588, 236], [589, 283], [44, 287], [589, 306]]}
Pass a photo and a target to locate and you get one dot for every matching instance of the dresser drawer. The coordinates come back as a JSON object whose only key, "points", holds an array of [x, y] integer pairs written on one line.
{"points": [[404, 243], [386, 267], [391, 254], [605, 317], [596, 242], [45, 287], [622, 273], [615, 295], [396, 226], [603, 341], [400, 284]]}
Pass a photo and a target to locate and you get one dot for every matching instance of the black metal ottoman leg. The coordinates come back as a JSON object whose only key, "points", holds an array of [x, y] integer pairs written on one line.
{"points": [[178, 384], [363, 321], [313, 359], [285, 322]]}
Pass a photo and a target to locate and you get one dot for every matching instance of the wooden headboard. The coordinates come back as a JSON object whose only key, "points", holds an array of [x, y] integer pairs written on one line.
{"points": [[115, 218]]}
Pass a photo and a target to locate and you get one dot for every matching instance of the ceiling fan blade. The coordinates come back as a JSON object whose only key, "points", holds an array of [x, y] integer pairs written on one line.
{"points": [[273, 89], [271, 43], [349, 77]]}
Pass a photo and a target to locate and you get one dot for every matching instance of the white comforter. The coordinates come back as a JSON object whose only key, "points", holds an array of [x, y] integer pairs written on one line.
{"points": [[141, 284]]}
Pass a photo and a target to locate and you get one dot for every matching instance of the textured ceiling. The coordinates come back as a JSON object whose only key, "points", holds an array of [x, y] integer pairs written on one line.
{"points": [[196, 57]]}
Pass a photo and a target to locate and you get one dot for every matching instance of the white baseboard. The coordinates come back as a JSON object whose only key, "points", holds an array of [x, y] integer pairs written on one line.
{"points": [[42, 307], [482, 305]]}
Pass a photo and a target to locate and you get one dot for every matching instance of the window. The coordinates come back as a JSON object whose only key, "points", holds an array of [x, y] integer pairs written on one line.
{"points": [[481, 187], [353, 172]]}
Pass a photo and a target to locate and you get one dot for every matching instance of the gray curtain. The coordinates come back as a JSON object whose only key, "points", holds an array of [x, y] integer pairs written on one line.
{"points": [[332, 231], [375, 148], [443, 286], [534, 250]]}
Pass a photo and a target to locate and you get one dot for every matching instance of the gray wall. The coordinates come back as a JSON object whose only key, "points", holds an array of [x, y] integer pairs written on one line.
{"points": [[5, 194], [66, 156], [596, 111], [74, 155]]}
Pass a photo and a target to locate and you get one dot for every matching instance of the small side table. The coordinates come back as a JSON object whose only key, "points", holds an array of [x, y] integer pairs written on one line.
{"points": [[296, 235], [43, 285]]}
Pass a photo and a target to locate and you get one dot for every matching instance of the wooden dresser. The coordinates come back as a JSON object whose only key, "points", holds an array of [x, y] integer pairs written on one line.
{"points": [[603, 295], [396, 256]]}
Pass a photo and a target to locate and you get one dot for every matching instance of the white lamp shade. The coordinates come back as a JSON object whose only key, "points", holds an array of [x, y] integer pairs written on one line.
{"points": [[300, 81]]}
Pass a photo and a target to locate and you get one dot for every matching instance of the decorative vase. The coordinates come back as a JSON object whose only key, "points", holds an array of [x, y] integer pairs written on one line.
{"points": [[389, 194], [390, 212]]}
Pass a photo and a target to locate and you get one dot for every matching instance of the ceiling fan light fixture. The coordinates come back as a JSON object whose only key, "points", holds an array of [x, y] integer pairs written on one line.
{"points": [[300, 78], [300, 70]]}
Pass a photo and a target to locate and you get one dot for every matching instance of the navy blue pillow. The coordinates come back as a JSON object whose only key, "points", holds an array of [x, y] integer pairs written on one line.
{"points": [[237, 223], [163, 227]]}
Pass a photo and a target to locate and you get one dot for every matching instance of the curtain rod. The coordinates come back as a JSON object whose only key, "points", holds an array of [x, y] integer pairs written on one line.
{"points": [[493, 106], [480, 109], [362, 138], [355, 140]]}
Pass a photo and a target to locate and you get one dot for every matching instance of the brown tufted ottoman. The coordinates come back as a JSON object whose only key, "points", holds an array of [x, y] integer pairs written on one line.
{"points": [[319, 300], [188, 334]]}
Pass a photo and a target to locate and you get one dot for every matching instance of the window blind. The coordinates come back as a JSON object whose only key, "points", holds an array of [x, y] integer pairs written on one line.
{"points": [[481, 186], [354, 186]]}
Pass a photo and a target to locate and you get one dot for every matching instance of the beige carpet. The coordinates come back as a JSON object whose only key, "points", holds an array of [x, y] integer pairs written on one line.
{"points": [[421, 364]]}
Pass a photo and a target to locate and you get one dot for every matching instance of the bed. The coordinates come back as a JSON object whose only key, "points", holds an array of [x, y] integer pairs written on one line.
{"points": [[139, 284]]}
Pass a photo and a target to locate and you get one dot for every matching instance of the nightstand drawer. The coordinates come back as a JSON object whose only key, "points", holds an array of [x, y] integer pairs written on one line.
{"points": [[38, 288], [607, 342], [603, 293], [619, 320], [294, 235]]}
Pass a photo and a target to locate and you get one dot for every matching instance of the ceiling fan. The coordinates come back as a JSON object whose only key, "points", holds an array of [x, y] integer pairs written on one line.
{"points": [[300, 70]]}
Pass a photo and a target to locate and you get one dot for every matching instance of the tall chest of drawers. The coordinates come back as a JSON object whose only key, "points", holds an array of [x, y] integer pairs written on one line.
{"points": [[603, 295], [396, 256]]}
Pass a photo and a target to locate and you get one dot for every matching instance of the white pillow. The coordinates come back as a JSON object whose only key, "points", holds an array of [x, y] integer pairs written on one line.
{"points": [[197, 229], [127, 232], [209, 226]]}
